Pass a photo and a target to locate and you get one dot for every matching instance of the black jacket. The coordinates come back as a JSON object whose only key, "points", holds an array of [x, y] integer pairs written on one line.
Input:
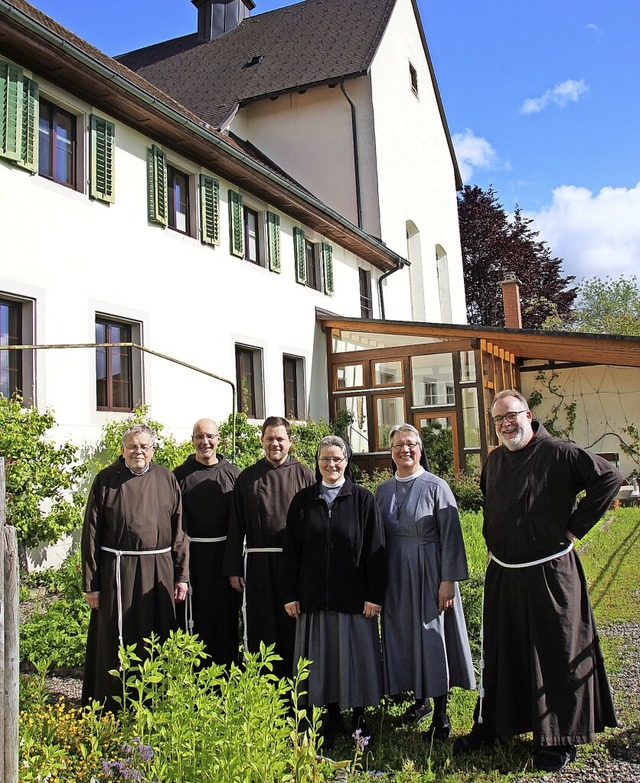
{"points": [[334, 559]]}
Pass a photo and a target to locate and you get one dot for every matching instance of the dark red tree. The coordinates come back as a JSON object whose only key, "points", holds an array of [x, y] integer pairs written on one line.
{"points": [[494, 246]]}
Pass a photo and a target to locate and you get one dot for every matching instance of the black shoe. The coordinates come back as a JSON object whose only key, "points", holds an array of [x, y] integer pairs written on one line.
{"points": [[416, 714], [472, 741], [439, 731], [554, 757]]}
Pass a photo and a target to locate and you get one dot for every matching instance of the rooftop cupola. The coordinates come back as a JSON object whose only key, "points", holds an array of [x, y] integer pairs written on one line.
{"points": [[216, 17]]}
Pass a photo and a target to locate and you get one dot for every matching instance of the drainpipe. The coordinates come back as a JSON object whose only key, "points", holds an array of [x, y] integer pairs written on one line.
{"points": [[356, 158], [400, 264]]}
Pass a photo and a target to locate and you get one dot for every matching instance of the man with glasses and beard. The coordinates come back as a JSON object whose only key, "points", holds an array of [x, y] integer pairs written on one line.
{"points": [[135, 560], [543, 670]]}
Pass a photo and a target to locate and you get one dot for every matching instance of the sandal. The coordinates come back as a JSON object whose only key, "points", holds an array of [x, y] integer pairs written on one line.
{"points": [[554, 757]]}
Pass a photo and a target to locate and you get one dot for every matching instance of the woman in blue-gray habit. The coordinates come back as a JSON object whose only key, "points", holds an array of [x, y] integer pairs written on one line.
{"points": [[333, 583], [424, 636]]}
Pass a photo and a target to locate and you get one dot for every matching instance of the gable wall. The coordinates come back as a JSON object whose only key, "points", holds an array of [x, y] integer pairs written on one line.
{"points": [[415, 171], [310, 136]]}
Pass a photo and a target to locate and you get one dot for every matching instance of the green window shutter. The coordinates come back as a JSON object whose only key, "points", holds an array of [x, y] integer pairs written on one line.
{"points": [[103, 134], [236, 223], [18, 116], [157, 186], [30, 121], [327, 268], [209, 210], [299, 255], [273, 239]]}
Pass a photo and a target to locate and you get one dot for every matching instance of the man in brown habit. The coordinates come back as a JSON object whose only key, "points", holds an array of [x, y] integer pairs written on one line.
{"points": [[135, 560], [543, 670]]}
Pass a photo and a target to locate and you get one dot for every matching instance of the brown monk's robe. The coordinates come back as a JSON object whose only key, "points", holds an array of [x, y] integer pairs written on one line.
{"points": [[132, 513]]}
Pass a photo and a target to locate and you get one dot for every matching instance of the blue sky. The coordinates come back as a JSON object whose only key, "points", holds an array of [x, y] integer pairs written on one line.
{"points": [[542, 100]]}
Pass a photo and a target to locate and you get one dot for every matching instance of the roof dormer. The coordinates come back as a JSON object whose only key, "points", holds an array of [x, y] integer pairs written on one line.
{"points": [[216, 17]]}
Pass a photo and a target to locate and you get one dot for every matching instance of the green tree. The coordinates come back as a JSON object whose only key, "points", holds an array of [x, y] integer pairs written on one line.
{"points": [[494, 246], [248, 448], [168, 452], [43, 478], [604, 306]]}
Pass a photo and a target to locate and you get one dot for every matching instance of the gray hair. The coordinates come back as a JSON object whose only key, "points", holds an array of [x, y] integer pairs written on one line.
{"points": [[140, 429], [509, 393], [404, 428], [332, 440]]}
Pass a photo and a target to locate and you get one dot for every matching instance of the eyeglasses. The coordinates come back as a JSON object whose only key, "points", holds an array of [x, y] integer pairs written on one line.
{"points": [[405, 445], [508, 417], [205, 436], [143, 449], [328, 460]]}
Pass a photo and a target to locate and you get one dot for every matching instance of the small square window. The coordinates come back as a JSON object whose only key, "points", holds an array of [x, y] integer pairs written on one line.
{"points": [[413, 75]]}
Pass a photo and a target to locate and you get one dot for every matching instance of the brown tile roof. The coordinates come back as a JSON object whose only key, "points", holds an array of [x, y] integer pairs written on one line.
{"points": [[310, 43]]}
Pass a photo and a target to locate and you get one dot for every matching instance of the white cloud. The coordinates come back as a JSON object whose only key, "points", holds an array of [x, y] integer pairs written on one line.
{"points": [[593, 28], [561, 95], [473, 152], [596, 235]]}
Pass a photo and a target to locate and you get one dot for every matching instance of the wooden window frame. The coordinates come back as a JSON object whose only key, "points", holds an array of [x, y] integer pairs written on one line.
{"points": [[174, 202], [366, 297], [70, 180], [107, 398]]}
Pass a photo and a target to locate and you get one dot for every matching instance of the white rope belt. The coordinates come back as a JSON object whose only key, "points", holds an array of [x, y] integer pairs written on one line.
{"points": [[120, 553], [218, 540], [508, 565], [254, 550], [188, 615], [532, 562]]}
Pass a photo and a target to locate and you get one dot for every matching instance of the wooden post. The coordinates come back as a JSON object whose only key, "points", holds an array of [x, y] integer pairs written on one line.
{"points": [[3, 500], [9, 640], [11, 654]]}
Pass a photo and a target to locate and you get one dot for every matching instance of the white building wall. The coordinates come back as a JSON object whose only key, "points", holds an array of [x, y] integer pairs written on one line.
{"points": [[76, 257], [415, 171]]}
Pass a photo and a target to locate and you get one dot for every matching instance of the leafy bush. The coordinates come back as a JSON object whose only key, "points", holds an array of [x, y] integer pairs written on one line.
{"points": [[438, 445], [42, 479], [209, 725], [168, 452], [466, 490], [56, 630], [62, 743], [248, 448], [306, 437]]}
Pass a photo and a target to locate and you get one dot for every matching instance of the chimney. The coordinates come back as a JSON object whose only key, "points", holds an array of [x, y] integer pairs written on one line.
{"points": [[511, 301], [217, 17]]}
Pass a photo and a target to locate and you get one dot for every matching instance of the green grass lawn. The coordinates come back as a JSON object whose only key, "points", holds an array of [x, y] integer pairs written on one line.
{"points": [[611, 558]]}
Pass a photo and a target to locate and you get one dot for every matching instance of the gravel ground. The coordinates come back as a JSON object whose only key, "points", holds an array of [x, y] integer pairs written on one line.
{"points": [[616, 757]]}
